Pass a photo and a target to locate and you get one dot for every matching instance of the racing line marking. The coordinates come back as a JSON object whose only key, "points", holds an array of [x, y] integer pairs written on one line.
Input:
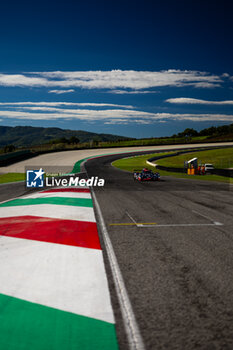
{"points": [[184, 225], [204, 216], [131, 218], [139, 224], [153, 224]]}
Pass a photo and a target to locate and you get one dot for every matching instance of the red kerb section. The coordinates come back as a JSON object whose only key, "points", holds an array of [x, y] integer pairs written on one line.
{"points": [[69, 232]]}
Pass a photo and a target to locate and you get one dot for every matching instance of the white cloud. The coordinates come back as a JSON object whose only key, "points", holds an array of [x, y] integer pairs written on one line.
{"points": [[60, 104], [117, 121], [110, 116], [121, 92], [81, 114], [194, 117], [105, 112], [58, 92], [204, 85], [22, 80], [113, 80], [186, 100], [142, 121]]}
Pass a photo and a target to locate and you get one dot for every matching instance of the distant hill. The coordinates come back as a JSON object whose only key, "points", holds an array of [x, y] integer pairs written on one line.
{"points": [[24, 136]]}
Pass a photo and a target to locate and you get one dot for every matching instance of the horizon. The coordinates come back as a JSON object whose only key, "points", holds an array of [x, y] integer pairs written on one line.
{"points": [[80, 130], [124, 68]]}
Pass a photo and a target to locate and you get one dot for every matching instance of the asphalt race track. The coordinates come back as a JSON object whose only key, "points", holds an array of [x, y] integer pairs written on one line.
{"points": [[64, 161], [173, 241]]}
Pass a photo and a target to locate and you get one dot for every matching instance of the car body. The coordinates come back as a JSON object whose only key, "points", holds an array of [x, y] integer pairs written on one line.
{"points": [[209, 167], [146, 175]]}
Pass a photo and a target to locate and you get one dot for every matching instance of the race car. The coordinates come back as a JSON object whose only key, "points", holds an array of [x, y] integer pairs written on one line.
{"points": [[146, 175]]}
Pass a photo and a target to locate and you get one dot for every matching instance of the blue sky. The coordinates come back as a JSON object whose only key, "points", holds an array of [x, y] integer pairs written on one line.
{"points": [[133, 68]]}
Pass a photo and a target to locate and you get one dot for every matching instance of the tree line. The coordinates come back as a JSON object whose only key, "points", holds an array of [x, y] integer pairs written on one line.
{"points": [[212, 131]]}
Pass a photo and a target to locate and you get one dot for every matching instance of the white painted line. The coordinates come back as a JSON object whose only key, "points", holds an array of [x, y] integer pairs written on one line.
{"points": [[8, 200], [67, 278], [218, 223], [204, 216], [131, 218], [184, 225], [133, 334]]}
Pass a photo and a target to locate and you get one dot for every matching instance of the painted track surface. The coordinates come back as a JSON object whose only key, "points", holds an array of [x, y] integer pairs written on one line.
{"points": [[61, 161], [178, 269], [53, 288]]}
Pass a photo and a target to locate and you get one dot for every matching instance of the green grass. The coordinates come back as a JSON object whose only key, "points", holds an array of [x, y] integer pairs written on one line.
{"points": [[139, 162], [220, 158], [12, 177]]}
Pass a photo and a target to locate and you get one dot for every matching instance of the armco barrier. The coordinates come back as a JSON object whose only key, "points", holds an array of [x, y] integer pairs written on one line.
{"points": [[175, 170], [10, 158], [220, 172], [223, 172]]}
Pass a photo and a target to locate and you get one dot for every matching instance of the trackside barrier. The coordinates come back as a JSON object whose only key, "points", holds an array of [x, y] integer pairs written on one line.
{"points": [[151, 164], [14, 157], [220, 172]]}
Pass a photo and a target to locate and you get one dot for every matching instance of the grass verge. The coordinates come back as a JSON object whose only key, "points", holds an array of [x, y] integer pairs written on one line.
{"points": [[139, 162], [12, 177], [220, 158]]}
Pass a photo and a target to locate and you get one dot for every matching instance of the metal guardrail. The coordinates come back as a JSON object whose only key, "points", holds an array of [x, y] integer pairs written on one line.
{"points": [[10, 158]]}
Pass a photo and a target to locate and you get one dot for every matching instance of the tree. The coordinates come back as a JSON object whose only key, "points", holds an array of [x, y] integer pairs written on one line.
{"points": [[62, 140], [190, 132], [9, 148], [208, 131], [74, 139]]}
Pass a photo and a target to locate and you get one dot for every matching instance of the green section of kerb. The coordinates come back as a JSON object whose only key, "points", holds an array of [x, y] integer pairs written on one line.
{"points": [[79, 202], [77, 166], [26, 325]]}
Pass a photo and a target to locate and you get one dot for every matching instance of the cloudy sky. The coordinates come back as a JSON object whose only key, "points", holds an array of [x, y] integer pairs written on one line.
{"points": [[133, 68]]}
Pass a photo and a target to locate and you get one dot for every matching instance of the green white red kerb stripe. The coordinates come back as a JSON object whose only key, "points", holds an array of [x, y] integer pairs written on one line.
{"points": [[53, 287]]}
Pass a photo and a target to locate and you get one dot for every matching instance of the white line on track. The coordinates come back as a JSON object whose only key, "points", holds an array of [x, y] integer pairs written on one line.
{"points": [[131, 327], [204, 216], [131, 218], [184, 225], [9, 200]]}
